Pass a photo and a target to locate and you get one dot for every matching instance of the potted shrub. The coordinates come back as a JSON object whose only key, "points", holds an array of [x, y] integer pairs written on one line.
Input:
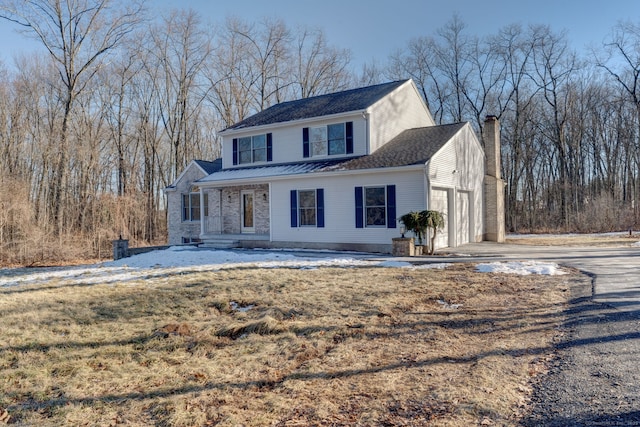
{"points": [[421, 222]]}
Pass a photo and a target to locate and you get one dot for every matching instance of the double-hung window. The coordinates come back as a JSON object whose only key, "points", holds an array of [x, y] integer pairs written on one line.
{"points": [[307, 208], [191, 208], [376, 206], [252, 149], [328, 140]]}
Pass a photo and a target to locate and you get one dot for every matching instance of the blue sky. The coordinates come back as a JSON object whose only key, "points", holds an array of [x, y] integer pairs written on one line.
{"points": [[373, 29]]}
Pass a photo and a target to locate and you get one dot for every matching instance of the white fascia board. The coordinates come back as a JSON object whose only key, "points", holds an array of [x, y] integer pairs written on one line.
{"points": [[267, 179], [264, 128]]}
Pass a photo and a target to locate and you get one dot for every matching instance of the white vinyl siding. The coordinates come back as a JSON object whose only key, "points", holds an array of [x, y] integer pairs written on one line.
{"points": [[339, 207], [400, 110], [287, 137]]}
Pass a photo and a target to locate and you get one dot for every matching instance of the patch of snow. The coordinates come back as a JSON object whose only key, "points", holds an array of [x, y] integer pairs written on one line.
{"points": [[521, 267], [242, 309], [395, 264], [636, 245], [447, 305]]}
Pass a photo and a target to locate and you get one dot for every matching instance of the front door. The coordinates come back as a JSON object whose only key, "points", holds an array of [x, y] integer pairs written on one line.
{"points": [[247, 212]]}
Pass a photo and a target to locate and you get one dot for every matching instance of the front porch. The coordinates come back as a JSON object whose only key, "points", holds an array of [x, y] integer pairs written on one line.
{"points": [[235, 216]]}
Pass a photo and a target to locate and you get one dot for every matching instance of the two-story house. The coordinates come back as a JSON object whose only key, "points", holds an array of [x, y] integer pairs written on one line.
{"points": [[333, 171]]}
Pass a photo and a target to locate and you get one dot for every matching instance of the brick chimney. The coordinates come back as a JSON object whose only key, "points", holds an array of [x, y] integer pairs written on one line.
{"points": [[494, 229]]}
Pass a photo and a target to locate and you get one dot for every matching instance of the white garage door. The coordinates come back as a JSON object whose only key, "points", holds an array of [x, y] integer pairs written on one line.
{"points": [[462, 218], [440, 203]]}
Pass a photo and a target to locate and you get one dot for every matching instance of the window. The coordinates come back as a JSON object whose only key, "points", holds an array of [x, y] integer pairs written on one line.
{"points": [[330, 140], [189, 240], [376, 206], [307, 208], [191, 206], [252, 149]]}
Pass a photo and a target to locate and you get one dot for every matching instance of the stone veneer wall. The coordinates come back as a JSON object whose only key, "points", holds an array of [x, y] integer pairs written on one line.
{"points": [[177, 228], [231, 208], [493, 184]]}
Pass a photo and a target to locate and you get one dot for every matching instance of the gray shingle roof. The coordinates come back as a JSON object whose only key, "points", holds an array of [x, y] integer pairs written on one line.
{"points": [[322, 105], [411, 147], [210, 167]]}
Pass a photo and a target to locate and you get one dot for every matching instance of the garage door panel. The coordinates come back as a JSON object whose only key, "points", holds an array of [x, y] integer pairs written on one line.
{"points": [[462, 218], [440, 203]]}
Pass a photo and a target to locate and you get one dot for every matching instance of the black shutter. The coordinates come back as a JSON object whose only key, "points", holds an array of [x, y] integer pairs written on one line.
{"points": [[269, 148], [294, 208], [235, 151], [391, 206], [305, 142], [359, 208], [320, 206], [349, 135]]}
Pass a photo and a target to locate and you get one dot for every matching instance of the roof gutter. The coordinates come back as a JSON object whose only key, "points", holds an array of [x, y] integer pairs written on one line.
{"points": [[257, 128]]}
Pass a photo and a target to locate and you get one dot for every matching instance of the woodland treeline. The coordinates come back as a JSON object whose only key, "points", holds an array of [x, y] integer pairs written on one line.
{"points": [[119, 101]]}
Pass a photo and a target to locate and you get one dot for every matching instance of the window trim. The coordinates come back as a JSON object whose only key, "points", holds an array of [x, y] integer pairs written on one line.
{"points": [[361, 207], [308, 144], [268, 149], [202, 210], [296, 209], [314, 208], [367, 207]]}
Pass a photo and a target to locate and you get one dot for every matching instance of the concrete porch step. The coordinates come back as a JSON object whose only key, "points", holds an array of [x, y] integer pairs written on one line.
{"points": [[220, 244]]}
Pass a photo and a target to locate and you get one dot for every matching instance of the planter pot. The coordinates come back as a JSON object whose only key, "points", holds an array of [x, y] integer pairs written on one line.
{"points": [[403, 246], [418, 250]]}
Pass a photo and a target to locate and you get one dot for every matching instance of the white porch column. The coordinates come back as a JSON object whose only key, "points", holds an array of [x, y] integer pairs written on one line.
{"points": [[202, 217]]}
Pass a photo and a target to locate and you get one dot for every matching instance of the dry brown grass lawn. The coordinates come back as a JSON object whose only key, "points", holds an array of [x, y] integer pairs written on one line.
{"points": [[279, 347], [601, 240]]}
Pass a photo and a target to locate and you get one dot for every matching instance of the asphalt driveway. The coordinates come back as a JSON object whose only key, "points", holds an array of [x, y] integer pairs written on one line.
{"points": [[595, 379]]}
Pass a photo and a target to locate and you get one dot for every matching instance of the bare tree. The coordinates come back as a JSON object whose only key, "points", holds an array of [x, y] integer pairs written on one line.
{"points": [[77, 34], [554, 66], [319, 68], [267, 47], [180, 49]]}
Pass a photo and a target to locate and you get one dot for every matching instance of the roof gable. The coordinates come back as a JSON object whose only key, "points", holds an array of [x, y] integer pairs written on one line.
{"points": [[209, 167], [318, 106]]}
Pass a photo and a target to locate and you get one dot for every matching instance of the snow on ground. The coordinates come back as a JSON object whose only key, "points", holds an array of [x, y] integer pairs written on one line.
{"points": [[520, 267], [182, 259]]}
